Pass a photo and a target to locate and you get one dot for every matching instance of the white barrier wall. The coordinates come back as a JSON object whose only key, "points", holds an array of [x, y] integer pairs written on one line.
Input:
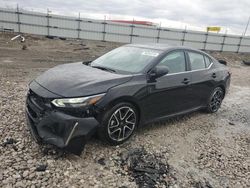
{"points": [[70, 27]]}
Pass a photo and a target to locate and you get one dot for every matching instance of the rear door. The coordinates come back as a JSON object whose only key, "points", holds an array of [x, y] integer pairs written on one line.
{"points": [[170, 94], [202, 77]]}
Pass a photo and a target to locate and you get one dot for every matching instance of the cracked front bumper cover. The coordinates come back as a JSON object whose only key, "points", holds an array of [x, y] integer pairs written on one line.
{"points": [[59, 129]]}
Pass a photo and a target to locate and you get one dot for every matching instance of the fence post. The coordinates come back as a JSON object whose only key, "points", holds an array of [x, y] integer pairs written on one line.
{"points": [[205, 41], [132, 33], [104, 31], [238, 50], [223, 42], [18, 19], [158, 34], [79, 26], [184, 35], [48, 33]]}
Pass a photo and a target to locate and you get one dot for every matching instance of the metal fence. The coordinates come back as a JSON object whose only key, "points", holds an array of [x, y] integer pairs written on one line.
{"points": [[71, 27]]}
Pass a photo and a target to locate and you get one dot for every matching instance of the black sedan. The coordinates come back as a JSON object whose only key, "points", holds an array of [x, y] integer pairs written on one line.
{"points": [[127, 87]]}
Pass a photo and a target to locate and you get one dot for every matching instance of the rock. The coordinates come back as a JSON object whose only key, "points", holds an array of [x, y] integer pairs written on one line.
{"points": [[24, 47], [101, 161], [16, 176], [30, 161], [20, 184], [50, 162], [9, 141], [32, 175], [25, 173], [41, 168]]}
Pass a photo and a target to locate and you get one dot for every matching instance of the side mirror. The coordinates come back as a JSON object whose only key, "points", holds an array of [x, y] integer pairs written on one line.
{"points": [[158, 71], [221, 61]]}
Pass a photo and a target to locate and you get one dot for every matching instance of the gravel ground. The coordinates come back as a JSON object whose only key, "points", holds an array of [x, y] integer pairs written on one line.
{"points": [[196, 150]]}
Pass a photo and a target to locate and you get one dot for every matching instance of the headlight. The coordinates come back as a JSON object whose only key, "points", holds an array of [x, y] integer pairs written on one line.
{"points": [[77, 102]]}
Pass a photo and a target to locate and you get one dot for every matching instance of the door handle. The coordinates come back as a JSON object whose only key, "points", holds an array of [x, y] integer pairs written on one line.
{"points": [[185, 81], [214, 75]]}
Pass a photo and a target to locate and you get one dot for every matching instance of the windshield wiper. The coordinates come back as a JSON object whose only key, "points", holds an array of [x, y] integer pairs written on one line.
{"points": [[104, 68]]}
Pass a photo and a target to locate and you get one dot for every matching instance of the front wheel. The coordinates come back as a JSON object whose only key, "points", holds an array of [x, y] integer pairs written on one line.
{"points": [[215, 100], [118, 123]]}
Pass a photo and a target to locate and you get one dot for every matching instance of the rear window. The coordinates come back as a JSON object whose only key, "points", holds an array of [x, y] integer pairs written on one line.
{"points": [[197, 61], [207, 61]]}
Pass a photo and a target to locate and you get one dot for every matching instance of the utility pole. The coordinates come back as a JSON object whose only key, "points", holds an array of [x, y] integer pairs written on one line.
{"points": [[246, 26]]}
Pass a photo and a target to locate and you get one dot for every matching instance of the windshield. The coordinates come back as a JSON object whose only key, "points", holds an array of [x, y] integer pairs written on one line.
{"points": [[126, 59]]}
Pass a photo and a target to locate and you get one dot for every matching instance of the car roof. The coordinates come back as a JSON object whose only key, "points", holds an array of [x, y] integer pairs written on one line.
{"points": [[161, 46]]}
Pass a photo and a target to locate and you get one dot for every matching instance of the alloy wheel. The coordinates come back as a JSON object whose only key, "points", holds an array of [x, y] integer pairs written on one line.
{"points": [[122, 123], [216, 100]]}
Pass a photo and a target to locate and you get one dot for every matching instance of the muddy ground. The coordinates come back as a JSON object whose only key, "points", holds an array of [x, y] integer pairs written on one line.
{"points": [[197, 150]]}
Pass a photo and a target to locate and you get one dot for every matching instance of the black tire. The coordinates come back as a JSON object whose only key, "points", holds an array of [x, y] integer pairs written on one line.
{"points": [[110, 121], [215, 100]]}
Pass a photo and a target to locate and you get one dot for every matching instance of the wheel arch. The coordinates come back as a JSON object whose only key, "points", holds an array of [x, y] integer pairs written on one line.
{"points": [[127, 99], [223, 88]]}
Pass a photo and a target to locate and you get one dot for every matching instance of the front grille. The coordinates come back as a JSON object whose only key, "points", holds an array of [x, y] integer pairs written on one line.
{"points": [[36, 106]]}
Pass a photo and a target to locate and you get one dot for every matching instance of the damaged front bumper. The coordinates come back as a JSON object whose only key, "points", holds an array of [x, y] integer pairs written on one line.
{"points": [[56, 127]]}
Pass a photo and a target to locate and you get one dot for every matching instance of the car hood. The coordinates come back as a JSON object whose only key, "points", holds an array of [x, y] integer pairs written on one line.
{"points": [[76, 79]]}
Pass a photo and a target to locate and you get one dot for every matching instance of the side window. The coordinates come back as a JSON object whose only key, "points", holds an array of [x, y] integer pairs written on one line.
{"points": [[207, 60], [197, 61], [175, 62]]}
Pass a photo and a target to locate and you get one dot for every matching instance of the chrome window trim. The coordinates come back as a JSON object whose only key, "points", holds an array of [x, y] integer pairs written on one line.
{"points": [[191, 70]]}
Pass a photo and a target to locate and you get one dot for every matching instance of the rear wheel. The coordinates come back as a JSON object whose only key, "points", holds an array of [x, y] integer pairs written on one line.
{"points": [[118, 123], [215, 100]]}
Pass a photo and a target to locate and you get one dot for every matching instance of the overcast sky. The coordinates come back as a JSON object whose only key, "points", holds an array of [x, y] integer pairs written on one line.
{"points": [[231, 15]]}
